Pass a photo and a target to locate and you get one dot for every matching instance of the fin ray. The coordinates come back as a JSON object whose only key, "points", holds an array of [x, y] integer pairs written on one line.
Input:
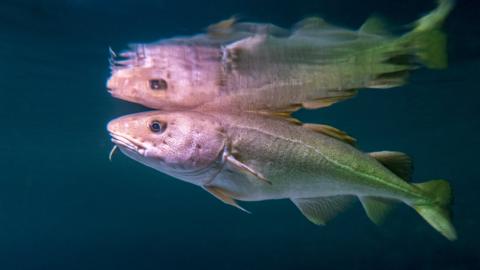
{"points": [[322, 209], [242, 167], [437, 213], [376, 208], [332, 132], [397, 162], [329, 100], [222, 26], [427, 37], [374, 25], [223, 196]]}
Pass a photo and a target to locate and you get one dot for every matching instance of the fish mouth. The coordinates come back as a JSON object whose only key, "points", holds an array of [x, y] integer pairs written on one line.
{"points": [[127, 143], [111, 85], [111, 91]]}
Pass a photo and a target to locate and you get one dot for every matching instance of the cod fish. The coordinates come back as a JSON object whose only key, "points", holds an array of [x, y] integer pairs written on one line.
{"points": [[255, 157], [254, 66]]}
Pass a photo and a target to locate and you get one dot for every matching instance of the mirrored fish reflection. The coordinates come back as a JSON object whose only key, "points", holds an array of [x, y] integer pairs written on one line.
{"points": [[254, 157], [254, 66]]}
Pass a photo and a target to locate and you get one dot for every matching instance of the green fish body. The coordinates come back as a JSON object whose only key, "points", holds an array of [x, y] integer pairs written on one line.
{"points": [[255, 157]]}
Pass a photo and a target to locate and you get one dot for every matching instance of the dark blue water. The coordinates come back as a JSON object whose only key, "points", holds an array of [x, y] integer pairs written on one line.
{"points": [[63, 205]]}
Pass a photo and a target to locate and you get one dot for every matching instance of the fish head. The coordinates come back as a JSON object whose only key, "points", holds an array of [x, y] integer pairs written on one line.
{"points": [[165, 76], [139, 85], [185, 145]]}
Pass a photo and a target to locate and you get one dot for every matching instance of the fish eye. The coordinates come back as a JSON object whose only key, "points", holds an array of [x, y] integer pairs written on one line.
{"points": [[157, 126], [158, 84]]}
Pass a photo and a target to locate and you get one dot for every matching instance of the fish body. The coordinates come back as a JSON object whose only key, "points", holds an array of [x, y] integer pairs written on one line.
{"points": [[312, 65], [254, 157], [301, 163]]}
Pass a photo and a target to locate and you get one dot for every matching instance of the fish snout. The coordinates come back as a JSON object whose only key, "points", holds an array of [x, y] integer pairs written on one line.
{"points": [[111, 86], [112, 126]]}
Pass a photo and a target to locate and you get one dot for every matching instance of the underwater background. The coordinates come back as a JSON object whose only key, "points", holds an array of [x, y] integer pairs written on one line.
{"points": [[64, 205]]}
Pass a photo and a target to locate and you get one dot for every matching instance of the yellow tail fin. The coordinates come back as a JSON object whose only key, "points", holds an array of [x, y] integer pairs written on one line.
{"points": [[437, 212], [424, 45], [427, 39]]}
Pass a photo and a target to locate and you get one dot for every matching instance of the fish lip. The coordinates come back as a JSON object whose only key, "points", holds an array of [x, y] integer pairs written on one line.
{"points": [[112, 92], [126, 142]]}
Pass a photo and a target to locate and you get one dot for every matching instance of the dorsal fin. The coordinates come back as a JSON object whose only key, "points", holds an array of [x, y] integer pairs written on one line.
{"points": [[222, 26], [319, 28], [332, 132], [262, 28], [322, 209], [397, 162], [311, 23], [374, 25]]}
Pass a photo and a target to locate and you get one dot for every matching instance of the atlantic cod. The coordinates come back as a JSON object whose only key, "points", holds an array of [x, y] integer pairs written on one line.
{"points": [[254, 66], [254, 157]]}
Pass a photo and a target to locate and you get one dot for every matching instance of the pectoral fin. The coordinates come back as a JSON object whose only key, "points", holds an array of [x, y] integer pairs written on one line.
{"points": [[322, 209], [227, 158], [223, 196], [242, 167], [376, 208], [248, 43], [231, 53], [332, 132]]}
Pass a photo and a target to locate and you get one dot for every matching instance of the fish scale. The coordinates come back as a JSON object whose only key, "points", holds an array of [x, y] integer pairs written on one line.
{"points": [[255, 157], [296, 149]]}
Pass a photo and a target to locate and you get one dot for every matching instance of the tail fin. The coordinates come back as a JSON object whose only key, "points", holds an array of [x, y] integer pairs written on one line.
{"points": [[437, 212], [424, 45], [427, 39]]}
